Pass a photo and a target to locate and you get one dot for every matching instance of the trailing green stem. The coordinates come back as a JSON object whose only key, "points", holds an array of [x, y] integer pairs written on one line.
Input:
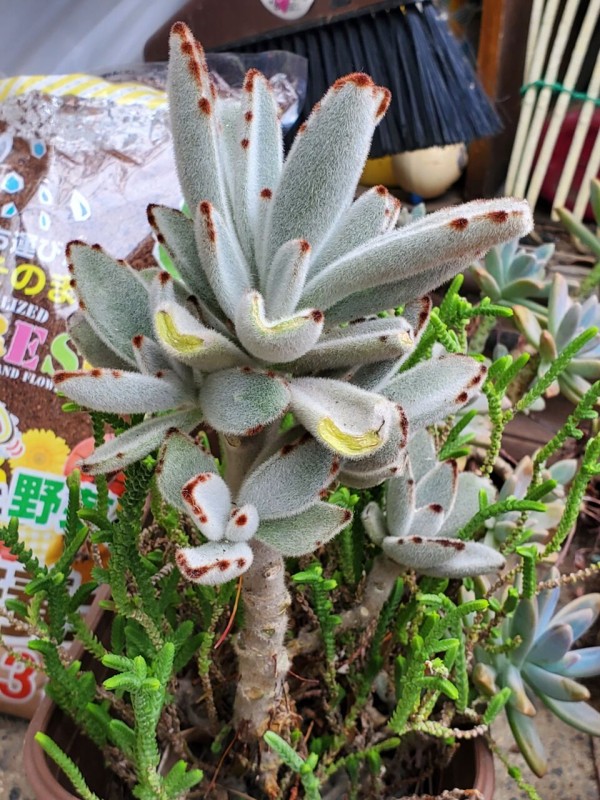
{"points": [[589, 468]]}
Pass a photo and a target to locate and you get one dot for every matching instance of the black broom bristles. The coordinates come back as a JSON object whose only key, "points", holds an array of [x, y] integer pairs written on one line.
{"points": [[436, 96]]}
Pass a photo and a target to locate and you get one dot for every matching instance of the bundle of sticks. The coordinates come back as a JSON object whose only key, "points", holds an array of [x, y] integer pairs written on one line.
{"points": [[563, 38]]}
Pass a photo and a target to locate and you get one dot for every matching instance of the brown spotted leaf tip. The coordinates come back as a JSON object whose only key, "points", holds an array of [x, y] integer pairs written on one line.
{"points": [[215, 562]]}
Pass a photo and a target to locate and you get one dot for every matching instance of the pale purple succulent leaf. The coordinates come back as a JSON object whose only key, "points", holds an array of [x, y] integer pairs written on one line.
{"points": [[114, 296], [519, 698], [523, 288], [588, 368], [214, 563], [559, 303], [493, 261], [137, 442], [486, 282], [559, 687], [180, 459], [547, 349], [565, 664], [305, 532], [578, 715], [241, 402], [279, 340], [547, 601], [527, 323], [528, 739], [194, 122], [568, 327], [208, 502], [326, 160], [523, 265], [571, 614], [551, 645], [524, 624], [572, 386], [587, 664], [291, 480], [121, 392], [484, 677]]}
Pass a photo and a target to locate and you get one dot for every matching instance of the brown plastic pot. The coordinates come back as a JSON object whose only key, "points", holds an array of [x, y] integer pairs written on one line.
{"points": [[43, 775], [471, 768]]}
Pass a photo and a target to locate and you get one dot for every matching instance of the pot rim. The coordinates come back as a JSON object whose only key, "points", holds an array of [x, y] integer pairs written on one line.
{"points": [[45, 786], [35, 762]]}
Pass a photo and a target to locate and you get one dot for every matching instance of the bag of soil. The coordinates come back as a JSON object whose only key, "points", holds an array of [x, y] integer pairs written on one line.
{"points": [[70, 168]]}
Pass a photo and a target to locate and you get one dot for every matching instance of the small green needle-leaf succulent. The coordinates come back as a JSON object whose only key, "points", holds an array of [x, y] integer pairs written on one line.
{"points": [[275, 260], [425, 508], [543, 665], [567, 319], [539, 523]]}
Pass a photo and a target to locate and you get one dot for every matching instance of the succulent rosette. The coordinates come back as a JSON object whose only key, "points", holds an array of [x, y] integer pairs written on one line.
{"points": [[509, 274], [281, 276], [566, 320], [543, 666]]}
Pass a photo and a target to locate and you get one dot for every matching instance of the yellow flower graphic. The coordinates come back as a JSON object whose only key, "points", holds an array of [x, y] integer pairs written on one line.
{"points": [[3, 329], [44, 452], [2, 472]]}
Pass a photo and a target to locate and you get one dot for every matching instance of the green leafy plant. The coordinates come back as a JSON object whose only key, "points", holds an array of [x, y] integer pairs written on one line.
{"points": [[337, 461]]}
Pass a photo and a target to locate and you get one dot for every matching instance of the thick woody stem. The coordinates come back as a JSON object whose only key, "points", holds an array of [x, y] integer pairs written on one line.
{"points": [[238, 455], [263, 661], [379, 585], [262, 657]]}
